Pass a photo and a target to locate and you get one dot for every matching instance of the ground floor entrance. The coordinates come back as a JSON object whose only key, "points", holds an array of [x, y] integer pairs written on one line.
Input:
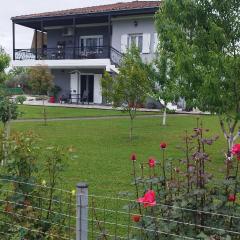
{"points": [[85, 88]]}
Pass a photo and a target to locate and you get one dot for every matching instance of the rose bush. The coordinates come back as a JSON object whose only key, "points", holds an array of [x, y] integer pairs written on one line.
{"points": [[184, 199]]}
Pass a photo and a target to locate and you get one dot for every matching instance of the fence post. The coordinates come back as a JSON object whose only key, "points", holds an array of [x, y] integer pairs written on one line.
{"points": [[82, 212]]}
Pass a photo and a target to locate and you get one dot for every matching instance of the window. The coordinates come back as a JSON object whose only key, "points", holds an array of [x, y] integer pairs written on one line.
{"points": [[91, 42], [137, 40]]}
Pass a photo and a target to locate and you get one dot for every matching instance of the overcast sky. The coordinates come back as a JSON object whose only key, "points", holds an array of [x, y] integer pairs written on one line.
{"points": [[12, 8]]}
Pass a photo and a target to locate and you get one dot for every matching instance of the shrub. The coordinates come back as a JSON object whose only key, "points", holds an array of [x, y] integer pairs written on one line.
{"points": [[186, 199], [31, 206], [21, 99]]}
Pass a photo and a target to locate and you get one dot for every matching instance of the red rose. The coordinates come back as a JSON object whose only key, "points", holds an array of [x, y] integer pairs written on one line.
{"points": [[133, 157], [149, 199], [151, 163], [232, 198], [163, 145], [136, 218]]}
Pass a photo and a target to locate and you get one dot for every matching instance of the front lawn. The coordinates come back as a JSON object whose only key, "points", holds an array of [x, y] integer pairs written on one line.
{"points": [[34, 112], [103, 147]]}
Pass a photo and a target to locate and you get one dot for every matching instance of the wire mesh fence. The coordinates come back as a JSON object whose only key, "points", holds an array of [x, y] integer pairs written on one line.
{"points": [[45, 213], [31, 211], [114, 218]]}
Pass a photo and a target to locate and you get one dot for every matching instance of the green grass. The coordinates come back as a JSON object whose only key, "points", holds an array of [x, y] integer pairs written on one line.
{"points": [[103, 146], [34, 112]]}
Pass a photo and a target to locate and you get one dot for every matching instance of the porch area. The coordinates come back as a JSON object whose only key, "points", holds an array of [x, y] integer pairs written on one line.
{"points": [[67, 38]]}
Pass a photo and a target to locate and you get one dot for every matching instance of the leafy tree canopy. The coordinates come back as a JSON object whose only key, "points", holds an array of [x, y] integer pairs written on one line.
{"points": [[4, 63], [201, 42], [40, 80]]}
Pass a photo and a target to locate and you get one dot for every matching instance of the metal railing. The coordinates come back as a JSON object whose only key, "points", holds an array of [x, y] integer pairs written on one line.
{"points": [[70, 53], [94, 52], [116, 56]]}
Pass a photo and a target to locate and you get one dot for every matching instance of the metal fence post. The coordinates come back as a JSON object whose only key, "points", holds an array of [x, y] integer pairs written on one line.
{"points": [[82, 212]]}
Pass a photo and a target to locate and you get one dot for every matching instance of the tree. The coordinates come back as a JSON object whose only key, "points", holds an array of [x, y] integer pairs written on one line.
{"points": [[130, 87], [4, 64], [18, 76], [41, 82], [163, 89], [8, 108], [201, 42]]}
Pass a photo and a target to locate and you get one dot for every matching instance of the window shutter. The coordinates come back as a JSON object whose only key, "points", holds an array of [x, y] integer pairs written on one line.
{"points": [[155, 46], [74, 83], [146, 43], [124, 43], [97, 89]]}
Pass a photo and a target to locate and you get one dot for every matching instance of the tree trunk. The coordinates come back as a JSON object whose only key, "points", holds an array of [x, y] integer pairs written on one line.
{"points": [[6, 136], [229, 135], [230, 141], [4, 144], [44, 113], [164, 116], [131, 129]]}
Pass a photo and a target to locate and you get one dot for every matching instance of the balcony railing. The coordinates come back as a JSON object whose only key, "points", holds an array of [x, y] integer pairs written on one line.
{"points": [[63, 53], [70, 53]]}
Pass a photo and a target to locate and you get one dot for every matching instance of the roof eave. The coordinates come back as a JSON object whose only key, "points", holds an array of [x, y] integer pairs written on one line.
{"points": [[150, 10]]}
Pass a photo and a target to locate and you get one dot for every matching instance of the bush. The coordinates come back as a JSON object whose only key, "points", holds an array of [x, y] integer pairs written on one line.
{"points": [[185, 199], [32, 206], [20, 99]]}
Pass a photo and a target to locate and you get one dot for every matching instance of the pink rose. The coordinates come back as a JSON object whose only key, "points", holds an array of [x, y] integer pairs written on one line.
{"points": [[236, 149], [149, 199]]}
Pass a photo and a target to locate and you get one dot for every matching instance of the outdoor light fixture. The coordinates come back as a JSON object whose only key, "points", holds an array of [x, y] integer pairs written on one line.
{"points": [[135, 23]]}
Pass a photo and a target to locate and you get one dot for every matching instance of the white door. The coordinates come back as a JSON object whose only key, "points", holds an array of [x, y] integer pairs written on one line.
{"points": [[74, 89]]}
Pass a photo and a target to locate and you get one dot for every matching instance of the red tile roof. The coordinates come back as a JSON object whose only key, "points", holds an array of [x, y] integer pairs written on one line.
{"points": [[121, 6]]}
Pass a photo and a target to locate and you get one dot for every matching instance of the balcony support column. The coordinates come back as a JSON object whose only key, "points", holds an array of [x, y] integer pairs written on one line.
{"points": [[13, 36], [36, 42], [109, 36], [42, 36], [74, 38]]}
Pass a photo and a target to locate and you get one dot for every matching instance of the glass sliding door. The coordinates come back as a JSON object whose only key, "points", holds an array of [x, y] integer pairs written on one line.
{"points": [[91, 44], [87, 88]]}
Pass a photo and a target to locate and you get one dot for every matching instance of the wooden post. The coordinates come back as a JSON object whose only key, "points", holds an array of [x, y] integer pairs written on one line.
{"points": [[13, 35]]}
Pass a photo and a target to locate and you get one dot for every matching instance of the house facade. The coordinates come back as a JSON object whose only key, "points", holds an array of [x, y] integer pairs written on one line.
{"points": [[78, 45]]}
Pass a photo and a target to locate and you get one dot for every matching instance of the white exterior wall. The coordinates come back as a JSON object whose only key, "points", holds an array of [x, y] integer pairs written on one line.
{"points": [[121, 28]]}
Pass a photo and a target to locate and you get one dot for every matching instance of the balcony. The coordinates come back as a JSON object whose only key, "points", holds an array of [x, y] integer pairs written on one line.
{"points": [[103, 52], [62, 53]]}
